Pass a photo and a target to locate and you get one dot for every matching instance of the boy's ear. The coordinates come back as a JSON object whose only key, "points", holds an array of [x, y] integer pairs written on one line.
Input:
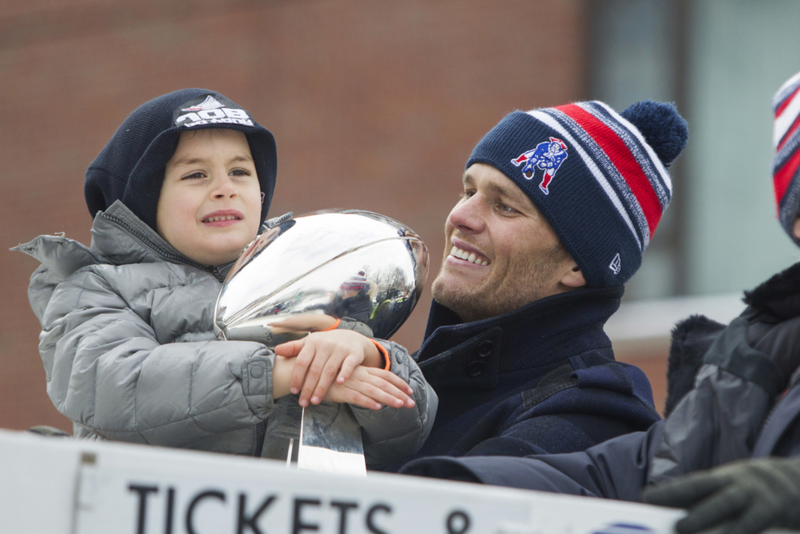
{"points": [[574, 277], [796, 228]]}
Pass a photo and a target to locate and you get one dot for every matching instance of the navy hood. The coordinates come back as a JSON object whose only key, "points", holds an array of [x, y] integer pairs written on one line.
{"points": [[131, 166]]}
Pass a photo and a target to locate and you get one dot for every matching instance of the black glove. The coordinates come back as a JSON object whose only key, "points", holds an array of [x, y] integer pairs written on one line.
{"points": [[745, 497]]}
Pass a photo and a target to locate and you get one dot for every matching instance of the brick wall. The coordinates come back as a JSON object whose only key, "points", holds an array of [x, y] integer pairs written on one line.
{"points": [[374, 105]]}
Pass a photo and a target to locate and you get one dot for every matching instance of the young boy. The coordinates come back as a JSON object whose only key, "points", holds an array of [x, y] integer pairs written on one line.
{"points": [[127, 324]]}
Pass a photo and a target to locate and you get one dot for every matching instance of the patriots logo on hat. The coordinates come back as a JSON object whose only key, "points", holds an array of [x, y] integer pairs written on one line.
{"points": [[547, 156], [209, 103]]}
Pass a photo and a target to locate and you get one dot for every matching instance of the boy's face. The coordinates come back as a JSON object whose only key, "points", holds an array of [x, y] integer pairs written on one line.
{"points": [[210, 203]]}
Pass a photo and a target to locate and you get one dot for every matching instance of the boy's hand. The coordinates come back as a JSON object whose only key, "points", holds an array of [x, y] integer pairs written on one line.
{"points": [[323, 357], [372, 388]]}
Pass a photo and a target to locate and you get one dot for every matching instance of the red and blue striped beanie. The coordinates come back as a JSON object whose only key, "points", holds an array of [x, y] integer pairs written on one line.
{"points": [[599, 177], [786, 165]]}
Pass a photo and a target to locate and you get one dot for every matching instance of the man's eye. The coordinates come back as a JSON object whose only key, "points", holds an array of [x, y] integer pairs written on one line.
{"points": [[468, 194], [505, 209]]}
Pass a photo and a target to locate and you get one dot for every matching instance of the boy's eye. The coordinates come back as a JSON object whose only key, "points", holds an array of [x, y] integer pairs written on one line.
{"points": [[240, 172], [193, 175], [467, 193]]}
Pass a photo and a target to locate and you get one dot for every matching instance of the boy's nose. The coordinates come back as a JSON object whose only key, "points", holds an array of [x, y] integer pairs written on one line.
{"points": [[224, 187]]}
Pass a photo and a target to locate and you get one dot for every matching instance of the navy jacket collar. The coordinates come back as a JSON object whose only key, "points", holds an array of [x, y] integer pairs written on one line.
{"points": [[553, 328]]}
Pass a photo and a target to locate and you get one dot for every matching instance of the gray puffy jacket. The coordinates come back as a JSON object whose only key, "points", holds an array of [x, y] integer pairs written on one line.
{"points": [[129, 351]]}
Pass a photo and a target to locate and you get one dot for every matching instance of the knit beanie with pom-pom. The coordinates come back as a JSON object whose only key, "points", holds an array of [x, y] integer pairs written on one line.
{"points": [[786, 165], [599, 177]]}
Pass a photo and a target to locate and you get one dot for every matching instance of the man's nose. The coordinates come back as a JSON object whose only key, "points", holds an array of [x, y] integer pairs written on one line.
{"points": [[468, 215]]}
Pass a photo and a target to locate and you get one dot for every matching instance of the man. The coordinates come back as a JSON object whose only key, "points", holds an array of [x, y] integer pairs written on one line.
{"points": [[730, 448], [557, 209]]}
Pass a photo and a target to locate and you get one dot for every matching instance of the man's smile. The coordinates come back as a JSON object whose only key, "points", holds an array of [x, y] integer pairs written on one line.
{"points": [[471, 256]]}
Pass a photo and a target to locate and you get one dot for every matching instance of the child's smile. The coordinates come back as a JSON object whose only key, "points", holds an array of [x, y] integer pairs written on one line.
{"points": [[223, 218]]}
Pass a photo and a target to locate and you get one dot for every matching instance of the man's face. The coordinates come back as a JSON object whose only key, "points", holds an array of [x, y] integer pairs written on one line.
{"points": [[210, 203], [500, 252]]}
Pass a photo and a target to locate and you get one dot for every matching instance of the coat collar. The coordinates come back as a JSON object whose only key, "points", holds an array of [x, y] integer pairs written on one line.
{"points": [[538, 334], [122, 238]]}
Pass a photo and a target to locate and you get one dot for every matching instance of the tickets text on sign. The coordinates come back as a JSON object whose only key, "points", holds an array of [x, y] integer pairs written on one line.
{"points": [[179, 513]]}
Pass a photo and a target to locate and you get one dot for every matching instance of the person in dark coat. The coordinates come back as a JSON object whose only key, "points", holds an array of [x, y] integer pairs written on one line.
{"points": [[537, 252], [729, 449], [558, 206]]}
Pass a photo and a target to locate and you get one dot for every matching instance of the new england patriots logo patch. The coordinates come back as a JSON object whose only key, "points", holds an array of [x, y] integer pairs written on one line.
{"points": [[547, 156]]}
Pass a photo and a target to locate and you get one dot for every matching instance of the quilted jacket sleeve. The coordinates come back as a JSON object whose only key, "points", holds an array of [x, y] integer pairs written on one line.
{"points": [[392, 434], [107, 371]]}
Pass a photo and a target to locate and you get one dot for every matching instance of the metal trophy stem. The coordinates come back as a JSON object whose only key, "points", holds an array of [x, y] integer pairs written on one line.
{"points": [[330, 440], [305, 273]]}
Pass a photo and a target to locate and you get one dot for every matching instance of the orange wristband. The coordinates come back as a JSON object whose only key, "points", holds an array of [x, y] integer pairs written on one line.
{"points": [[385, 353], [334, 327]]}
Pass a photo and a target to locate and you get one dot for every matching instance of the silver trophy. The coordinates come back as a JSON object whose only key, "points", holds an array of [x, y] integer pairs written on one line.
{"points": [[305, 273]]}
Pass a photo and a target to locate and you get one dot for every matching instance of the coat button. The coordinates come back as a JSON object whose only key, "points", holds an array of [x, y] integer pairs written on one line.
{"points": [[485, 349], [256, 371], [476, 368]]}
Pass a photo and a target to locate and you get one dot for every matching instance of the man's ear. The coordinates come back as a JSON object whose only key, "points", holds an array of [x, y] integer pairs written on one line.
{"points": [[574, 277], [796, 228]]}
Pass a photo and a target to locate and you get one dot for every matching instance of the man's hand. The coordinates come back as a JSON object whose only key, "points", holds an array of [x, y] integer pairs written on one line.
{"points": [[372, 388], [304, 322], [317, 322], [746, 497], [323, 357]]}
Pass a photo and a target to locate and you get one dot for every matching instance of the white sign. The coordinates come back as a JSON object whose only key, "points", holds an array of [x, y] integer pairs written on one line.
{"points": [[63, 485]]}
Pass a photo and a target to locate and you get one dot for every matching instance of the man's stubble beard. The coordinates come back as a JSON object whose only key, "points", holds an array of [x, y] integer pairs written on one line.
{"points": [[533, 282]]}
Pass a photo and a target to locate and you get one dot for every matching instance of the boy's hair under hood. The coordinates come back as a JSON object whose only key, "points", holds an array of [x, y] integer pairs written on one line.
{"points": [[131, 166]]}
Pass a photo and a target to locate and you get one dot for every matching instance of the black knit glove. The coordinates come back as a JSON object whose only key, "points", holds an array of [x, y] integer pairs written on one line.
{"points": [[744, 497]]}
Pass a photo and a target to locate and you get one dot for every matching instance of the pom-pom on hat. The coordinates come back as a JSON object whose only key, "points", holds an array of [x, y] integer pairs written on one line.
{"points": [[599, 177], [786, 165], [131, 166]]}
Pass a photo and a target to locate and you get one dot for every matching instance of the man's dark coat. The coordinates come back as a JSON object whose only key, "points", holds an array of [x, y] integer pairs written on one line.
{"points": [[541, 379]]}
